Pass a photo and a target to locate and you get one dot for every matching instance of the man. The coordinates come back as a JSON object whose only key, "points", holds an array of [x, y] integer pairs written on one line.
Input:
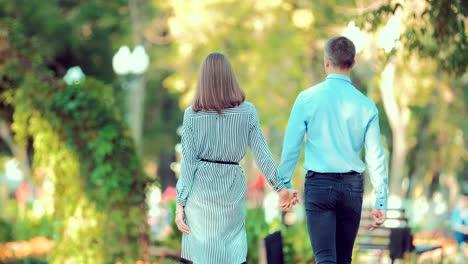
{"points": [[338, 121], [459, 224]]}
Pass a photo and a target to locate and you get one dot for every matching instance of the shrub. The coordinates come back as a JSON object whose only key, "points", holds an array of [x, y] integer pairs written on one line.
{"points": [[6, 231]]}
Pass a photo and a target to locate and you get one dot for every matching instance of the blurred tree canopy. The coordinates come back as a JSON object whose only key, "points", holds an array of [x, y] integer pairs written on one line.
{"points": [[424, 98], [435, 29]]}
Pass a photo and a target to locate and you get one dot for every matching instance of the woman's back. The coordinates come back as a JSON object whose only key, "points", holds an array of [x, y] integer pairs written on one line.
{"points": [[217, 130], [221, 137]]}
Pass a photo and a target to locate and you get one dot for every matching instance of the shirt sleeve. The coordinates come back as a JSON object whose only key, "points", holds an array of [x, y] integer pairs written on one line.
{"points": [[375, 158], [455, 219], [292, 144], [189, 161], [262, 153]]}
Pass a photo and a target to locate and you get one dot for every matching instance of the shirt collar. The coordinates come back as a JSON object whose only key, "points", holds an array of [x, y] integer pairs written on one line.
{"points": [[339, 77]]}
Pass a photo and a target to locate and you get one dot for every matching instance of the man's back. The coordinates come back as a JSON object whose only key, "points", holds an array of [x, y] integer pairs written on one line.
{"points": [[337, 121], [336, 116]]}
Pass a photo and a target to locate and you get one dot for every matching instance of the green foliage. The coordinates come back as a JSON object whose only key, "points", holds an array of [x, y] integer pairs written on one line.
{"points": [[79, 138], [95, 159], [72, 33], [26, 228], [257, 229], [297, 248], [296, 243], [27, 261], [6, 231], [434, 29]]}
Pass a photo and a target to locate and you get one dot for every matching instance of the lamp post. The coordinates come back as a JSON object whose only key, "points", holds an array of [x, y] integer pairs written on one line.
{"points": [[132, 67]]}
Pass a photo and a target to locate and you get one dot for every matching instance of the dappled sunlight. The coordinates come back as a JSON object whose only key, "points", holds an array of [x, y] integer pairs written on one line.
{"points": [[185, 49], [360, 39], [12, 171], [267, 4], [303, 18], [193, 21], [389, 35]]}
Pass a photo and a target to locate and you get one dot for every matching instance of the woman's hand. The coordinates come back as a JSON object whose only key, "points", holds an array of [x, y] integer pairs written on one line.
{"points": [[180, 219], [287, 198]]}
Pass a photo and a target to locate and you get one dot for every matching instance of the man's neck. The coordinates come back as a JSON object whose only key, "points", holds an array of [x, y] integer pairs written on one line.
{"points": [[345, 72]]}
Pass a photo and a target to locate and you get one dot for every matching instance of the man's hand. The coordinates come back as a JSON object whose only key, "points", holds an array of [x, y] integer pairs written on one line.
{"points": [[379, 218], [287, 198], [180, 219]]}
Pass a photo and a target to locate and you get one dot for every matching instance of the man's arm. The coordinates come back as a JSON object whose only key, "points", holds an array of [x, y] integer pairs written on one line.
{"points": [[375, 158], [457, 222], [292, 143]]}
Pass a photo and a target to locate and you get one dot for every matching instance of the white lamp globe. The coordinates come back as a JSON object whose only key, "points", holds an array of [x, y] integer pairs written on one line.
{"points": [[139, 60], [120, 61]]}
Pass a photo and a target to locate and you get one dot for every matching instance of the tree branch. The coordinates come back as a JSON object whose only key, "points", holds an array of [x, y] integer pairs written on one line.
{"points": [[388, 97]]}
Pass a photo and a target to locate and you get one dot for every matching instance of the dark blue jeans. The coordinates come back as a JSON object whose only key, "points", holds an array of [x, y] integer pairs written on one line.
{"points": [[333, 203], [460, 238]]}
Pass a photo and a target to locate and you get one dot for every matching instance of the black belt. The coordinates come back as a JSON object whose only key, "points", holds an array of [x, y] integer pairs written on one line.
{"points": [[351, 173], [220, 162]]}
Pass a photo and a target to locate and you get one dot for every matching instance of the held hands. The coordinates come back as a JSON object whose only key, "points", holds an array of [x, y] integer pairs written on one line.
{"points": [[379, 218], [287, 198], [180, 219]]}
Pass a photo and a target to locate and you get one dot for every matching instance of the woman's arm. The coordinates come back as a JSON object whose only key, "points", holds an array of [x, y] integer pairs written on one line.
{"points": [[189, 161]]}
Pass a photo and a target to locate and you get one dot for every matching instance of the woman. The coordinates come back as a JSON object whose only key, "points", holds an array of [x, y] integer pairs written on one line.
{"points": [[217, 129]]}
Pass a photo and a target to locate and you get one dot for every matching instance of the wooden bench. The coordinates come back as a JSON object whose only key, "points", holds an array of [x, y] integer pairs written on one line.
{"points": [[393, 236]]}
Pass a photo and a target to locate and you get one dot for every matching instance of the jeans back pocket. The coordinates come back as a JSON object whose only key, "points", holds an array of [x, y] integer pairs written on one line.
{"points": [[317, 196]]}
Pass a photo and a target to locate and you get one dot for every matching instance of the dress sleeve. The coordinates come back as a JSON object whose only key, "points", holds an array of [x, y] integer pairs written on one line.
{"points": [[262, 153], [189, 161]]}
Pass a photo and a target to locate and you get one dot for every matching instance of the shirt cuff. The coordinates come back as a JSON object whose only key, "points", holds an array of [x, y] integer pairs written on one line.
{"points": [[279, 186], [381, 197], [381, 204], [181, 201], [288, 185]]}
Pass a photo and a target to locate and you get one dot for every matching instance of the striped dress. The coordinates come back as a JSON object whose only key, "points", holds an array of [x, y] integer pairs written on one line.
{"points": [[214, 194]]}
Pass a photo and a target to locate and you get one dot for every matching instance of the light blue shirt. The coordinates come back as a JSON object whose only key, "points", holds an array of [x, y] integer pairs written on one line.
{"points": [[338, 120], [458, 218]]}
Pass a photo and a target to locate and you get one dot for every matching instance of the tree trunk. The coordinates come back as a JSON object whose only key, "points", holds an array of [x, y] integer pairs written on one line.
{"points": [[398, 116], [454, 187], [397, 168], [418, 150]]}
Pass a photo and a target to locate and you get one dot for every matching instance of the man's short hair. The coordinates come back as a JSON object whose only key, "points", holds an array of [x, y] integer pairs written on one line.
{"points": [[340, 51]]}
